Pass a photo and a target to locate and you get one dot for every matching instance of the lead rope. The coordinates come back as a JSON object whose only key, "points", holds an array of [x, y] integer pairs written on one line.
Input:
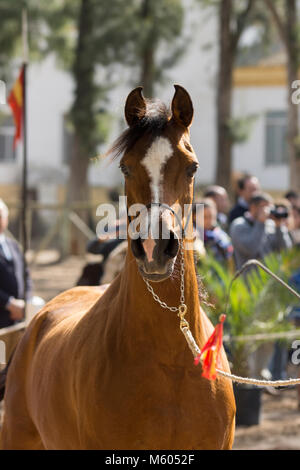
{"points": [[185, 329]]}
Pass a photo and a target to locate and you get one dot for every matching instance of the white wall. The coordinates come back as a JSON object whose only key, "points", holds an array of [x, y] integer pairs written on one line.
{"points": [[50, 92], [250, 156], [50, 95], [196, 71]]}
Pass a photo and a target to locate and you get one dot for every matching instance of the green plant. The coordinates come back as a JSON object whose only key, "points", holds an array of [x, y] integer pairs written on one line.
{"points": [[257, 303]]}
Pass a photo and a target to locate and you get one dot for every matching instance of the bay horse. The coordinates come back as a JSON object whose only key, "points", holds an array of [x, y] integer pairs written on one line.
{"points": [[109, 368]]}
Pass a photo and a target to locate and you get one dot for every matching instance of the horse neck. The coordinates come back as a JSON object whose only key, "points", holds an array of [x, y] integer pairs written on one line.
{"points": [[145, 320]]}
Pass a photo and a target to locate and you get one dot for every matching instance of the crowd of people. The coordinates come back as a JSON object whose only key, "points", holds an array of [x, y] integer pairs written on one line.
{"points": [[254, 227]]}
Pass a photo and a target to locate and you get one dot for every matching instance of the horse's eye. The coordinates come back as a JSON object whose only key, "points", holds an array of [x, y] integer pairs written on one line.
{"points": [[124, 169], [191, 169]]}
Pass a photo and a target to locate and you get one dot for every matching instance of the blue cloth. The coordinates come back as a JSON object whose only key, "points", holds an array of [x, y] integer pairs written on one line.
{"points": [[295, 282], [219, 243]]}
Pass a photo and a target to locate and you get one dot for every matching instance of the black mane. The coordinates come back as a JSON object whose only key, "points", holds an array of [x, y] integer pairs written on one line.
{"points": [[151, 125]]}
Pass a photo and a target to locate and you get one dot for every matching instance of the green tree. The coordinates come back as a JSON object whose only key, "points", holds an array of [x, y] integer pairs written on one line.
{"points": [[88, 35], [103, 36], [11, 33], [85, 35], [158, 22], [232, 23], [234, 16]]}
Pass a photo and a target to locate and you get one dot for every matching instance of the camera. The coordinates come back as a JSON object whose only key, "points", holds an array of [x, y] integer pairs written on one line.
{"points": [[279, 212]]}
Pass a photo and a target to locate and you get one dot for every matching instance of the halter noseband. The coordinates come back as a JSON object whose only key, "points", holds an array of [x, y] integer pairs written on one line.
{"points": [[166, 206]]}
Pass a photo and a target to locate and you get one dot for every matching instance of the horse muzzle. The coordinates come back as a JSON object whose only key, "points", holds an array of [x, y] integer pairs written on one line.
{"points": [[156, 257]]}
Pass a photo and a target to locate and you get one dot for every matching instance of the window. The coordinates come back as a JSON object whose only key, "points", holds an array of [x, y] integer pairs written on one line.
{"points": [[276, 138], [7, 133]]}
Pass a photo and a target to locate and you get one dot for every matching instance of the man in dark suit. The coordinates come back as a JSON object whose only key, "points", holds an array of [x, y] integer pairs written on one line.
{"points": [[246, 186], [12, 289]]}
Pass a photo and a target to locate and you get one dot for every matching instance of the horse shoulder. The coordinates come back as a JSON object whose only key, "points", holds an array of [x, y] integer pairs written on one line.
{"points": [[65, 309]]}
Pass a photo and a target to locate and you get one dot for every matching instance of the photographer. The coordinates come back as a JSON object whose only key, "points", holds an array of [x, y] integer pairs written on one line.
{"points": [[261, 230], [215, 239]]}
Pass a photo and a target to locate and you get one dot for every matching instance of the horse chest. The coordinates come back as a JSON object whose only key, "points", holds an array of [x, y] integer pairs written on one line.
{"points": [[155, 408]]}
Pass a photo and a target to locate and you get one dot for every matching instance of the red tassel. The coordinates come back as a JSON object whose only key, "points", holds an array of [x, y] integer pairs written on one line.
{"points": [[210, 353]]}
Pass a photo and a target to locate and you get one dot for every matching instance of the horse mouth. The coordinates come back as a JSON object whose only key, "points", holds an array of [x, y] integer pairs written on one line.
{"points": [[156, 277]]}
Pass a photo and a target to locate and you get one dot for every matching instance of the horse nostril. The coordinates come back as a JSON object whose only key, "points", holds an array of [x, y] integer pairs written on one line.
{"points": [[137, 248], [164, 248], [172, 246]]}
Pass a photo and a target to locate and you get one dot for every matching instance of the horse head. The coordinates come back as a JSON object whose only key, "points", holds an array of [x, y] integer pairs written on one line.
{"points": [[159, 164]]}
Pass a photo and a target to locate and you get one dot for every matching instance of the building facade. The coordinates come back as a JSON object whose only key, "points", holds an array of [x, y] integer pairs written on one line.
{"points": [[260, 91]]}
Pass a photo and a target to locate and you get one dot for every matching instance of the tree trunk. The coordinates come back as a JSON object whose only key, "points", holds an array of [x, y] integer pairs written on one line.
{"points": [[224, 96], [83, 118], [78, 189], [82, 113], [293, 116], [78, 193], [147, 72], [147, 59]]}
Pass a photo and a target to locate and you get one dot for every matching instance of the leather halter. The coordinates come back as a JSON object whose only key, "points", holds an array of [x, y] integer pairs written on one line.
{"points": [[166, 206]]}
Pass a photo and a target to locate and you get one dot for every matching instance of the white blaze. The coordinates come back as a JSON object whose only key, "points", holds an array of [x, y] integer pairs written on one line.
{"points": [[154, 161]]}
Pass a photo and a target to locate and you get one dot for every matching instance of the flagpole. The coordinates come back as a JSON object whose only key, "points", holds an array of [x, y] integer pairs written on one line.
{"points": [[25, 166]]}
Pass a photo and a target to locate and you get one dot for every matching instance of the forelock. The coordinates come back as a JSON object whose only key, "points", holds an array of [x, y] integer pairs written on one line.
{"points": [[150, 126]]}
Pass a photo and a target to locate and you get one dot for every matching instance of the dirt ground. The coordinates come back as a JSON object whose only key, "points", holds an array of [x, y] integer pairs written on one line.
{"points": [[280, 421], [279, 428], [50, 280]]}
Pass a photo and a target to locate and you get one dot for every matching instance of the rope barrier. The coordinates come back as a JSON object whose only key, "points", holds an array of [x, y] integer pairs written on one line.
{"points": [[259, 383], [255, 262], [235, 378], [262, 336]]}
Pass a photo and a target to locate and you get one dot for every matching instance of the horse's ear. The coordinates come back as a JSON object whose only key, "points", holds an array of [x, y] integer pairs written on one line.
{"points": [[135, 106], [182, 107]]}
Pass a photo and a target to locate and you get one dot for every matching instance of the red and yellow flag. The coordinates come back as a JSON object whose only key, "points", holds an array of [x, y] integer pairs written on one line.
{"points": [[16, 102]]}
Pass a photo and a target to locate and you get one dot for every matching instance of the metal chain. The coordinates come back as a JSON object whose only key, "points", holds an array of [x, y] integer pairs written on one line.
{"points": [[184, 326], [178, 309]]}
